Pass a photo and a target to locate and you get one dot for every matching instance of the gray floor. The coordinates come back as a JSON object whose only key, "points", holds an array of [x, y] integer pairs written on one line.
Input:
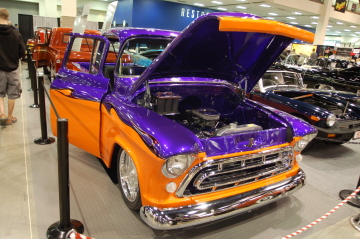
{"points": [[29, 195]]}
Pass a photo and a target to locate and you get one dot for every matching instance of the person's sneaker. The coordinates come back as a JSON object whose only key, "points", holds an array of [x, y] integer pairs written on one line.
{"points": [[11, 121], [3, 120]]}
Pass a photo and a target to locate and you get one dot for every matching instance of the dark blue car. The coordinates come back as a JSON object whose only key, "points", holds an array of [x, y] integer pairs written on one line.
{"points": [[333, 113]]}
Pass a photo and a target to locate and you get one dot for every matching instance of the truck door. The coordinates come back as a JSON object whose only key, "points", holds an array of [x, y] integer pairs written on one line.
{"points": [[78, 89]]}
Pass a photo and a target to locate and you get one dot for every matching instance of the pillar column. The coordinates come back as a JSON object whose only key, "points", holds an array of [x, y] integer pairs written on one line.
{"points": [[323, 23], [68, 8]]}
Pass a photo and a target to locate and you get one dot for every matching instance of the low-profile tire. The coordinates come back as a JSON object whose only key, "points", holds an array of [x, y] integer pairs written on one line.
{"points": [[128, 181]]}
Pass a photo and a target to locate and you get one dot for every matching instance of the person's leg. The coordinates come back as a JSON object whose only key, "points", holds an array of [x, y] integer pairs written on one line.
{"points": [[2, 109], [13, 92], [3, 83], [11, 105]]}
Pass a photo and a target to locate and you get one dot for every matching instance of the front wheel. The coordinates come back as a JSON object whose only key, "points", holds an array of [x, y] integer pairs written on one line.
{"points": [[128, 181]]}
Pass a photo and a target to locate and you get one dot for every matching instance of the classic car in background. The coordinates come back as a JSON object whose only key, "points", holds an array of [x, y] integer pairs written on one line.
{"points": [[184, 143], [49, 51], [333, 113], [40, 45], [323, 73], [347, 79]]}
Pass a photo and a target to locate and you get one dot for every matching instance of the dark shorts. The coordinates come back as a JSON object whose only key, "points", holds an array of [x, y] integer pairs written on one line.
{"points": [[10, 84]]}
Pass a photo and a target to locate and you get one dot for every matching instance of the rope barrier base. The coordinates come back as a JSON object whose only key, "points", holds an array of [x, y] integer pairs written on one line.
{"points": [[355, 221], [55, 232], [42, 141], [355, 201]]}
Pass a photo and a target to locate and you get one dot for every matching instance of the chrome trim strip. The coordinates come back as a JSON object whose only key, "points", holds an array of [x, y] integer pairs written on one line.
{"points": [[186, 216], [212, 162]]}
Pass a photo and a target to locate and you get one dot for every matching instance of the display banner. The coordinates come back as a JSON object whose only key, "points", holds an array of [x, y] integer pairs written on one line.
{"points": [[340, 5], [82, 13], [109, 15], [157, 14]]}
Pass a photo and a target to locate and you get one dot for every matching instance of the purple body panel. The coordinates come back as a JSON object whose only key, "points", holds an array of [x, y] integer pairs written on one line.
{"points": [[154, 129]]}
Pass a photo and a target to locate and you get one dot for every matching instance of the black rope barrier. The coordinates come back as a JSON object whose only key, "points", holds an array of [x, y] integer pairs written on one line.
{"points": [[34, 87], [62, 228], [355, 201], [44, 136]]}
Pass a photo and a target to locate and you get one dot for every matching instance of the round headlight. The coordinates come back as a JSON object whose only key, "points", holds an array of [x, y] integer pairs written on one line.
{"points": [[176, 165], [301, 144], [331, 119]]}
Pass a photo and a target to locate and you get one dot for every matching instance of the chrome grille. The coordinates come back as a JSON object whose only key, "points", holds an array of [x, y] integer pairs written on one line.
{"points": [[220, 174]]}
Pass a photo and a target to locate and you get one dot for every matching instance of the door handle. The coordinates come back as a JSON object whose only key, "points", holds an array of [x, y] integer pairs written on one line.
{"points": [[67, 92]]}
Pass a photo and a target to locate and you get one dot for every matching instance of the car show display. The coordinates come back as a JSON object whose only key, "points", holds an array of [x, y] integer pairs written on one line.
{"points": [[172, 111], [335, 114]]}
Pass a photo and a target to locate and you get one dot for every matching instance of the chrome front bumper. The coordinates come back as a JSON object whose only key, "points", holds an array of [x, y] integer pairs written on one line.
{"points": [[174, 218]]}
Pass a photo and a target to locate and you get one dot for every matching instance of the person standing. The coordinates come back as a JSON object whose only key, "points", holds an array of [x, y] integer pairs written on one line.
{"points": [[12, 49], [313, 55]]}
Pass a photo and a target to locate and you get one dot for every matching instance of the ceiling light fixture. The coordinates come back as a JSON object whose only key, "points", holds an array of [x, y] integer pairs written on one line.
{"points": [[314, 23], [221, 8], [264, 5], [199, 4], [291, 17], [217, 2], [271, 18], [295, 23], [339, 23], [307, 25], [329, 26], [353, 26], [337, 32], [315, 17], [274, 14], [241, 7], [347, 30], [297, 13]]}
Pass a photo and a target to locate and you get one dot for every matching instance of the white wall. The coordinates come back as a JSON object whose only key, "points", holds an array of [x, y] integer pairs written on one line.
{"points": [[16, 7], [97, 11]]}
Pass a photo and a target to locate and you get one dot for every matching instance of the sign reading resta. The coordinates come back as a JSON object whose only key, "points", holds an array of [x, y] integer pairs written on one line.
{"points": [[187, 12]]}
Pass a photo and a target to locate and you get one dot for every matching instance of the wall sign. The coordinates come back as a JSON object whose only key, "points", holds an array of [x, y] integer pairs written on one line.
{"points": [[340, 6]]}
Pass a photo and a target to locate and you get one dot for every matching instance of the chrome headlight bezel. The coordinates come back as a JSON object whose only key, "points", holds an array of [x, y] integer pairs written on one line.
{"points": [[304, 141], [331, 120], [177, 165]]}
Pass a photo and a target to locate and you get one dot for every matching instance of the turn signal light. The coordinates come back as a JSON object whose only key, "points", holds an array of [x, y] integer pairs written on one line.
{"points": [[331, 135]]}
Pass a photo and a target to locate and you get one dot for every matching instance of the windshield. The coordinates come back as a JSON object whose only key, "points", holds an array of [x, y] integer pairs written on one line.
{"points": [[139, 53], [280, 78]]}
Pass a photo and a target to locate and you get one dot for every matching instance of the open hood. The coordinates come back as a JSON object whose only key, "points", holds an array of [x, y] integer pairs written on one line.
{"points": [[230, 46]]}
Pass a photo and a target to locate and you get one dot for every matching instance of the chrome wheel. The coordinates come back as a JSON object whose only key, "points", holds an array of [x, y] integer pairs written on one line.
{"points": [[128, 177]]}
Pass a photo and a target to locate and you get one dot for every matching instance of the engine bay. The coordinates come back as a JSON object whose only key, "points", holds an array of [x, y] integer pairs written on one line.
{"points": [[209, 111]]}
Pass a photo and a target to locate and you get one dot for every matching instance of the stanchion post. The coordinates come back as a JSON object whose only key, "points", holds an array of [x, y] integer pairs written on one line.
{"points": [[44, 136], [60, 229], [33, 77], [27, 60], [355, 201]]}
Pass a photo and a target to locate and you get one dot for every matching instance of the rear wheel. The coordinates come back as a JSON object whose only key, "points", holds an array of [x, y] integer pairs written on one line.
{"points": [[128, 181]]}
